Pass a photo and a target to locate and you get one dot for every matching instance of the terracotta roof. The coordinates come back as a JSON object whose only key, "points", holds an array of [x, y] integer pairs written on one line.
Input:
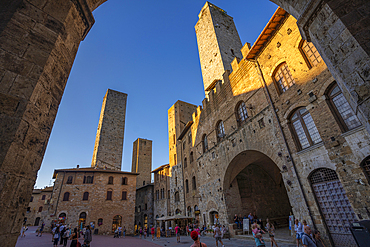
{"points": [[268, 32], [90, 169], [160, 168]]}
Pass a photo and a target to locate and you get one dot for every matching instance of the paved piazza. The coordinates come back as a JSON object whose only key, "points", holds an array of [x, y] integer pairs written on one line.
{"points": [[108, 241]]}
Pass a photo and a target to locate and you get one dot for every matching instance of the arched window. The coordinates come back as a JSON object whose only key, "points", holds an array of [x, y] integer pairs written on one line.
{"points": [[86, 196], [304, 129], [110, 180], [124, 181], [177, 211], [139, 209], [40, 209], [124, 195], [191, 158], [177, 196], [241, 113], [66, 196], [220, 130], [88, 179], [189, 211], [341, 109], [185, 162], [70, 179], [109, 194], [100, 221], [310, 53], [31, 199], [187, 186], [283, 77], [194, 183], [205, 143], [176, 181], [43, 197], [366, 167]]}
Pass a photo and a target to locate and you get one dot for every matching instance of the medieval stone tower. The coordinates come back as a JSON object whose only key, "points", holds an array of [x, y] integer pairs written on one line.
{"points": [[109, 137], [178, 116], [218, 43], [142, 161]]}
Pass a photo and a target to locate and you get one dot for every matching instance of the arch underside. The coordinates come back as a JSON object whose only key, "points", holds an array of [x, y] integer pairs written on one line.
{"points": [[253, 184]]}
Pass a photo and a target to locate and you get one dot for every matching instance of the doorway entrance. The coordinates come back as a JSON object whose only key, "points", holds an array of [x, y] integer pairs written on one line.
{"points": [[82, 220], [117, 222], [37, 221], [253, 184], [213, 217], [334, 205]]}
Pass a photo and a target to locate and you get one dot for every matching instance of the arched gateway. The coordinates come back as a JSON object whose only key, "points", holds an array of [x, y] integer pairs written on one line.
{"points": [[253, 184]]}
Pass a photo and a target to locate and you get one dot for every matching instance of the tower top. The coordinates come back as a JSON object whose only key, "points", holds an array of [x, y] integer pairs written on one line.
{"points": [[110, 134], [218, 43]]}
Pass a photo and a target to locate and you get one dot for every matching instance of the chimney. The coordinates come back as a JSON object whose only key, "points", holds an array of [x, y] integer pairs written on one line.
{"points": [[78, 166]]}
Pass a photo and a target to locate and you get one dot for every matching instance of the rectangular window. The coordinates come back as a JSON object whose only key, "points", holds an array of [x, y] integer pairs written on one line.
{"points": [[124, 195], [109, 195]]}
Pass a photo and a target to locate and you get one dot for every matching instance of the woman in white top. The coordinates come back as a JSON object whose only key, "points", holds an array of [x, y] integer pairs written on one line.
{"points": [[298, 228]]}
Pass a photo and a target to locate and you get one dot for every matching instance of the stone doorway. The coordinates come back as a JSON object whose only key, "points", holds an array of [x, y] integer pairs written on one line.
{"points": [[334, 206], [253, 184], [213, 217], [82, 220], [117, 222], [37, 221]]}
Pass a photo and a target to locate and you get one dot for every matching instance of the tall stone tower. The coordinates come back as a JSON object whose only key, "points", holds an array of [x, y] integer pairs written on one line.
{"points": [[109, 137], [178, 116], [218, 43], [142, 161]]}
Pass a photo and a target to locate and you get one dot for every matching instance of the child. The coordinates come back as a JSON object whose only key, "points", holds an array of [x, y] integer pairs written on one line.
{"points": [[257, 232]]}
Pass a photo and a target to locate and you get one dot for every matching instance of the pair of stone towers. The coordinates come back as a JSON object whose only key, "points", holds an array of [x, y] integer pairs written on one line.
{"points": [[109, 140]]}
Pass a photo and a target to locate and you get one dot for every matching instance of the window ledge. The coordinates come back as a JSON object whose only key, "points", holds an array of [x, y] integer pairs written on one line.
{"points": [[320, 144], [352, 131]]}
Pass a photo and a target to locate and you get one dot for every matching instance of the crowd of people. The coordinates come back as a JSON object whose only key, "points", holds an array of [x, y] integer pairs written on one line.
{"points": [[305, 236], [61, 233]]}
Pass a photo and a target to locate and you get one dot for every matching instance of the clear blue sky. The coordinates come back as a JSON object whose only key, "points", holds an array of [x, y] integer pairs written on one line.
{"points": [[148, 50]]}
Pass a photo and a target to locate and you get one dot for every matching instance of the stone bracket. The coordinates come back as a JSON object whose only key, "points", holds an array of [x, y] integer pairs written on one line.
{"points": [[86, 15], [308, 16]]}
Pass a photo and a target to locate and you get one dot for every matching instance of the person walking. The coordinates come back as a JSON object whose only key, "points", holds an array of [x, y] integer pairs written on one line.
{"points": [[145, 232], [298, 228], [124, 231], [271, 230], [152, 232], [56, 235], [158, 232], [87, 236], [217, 236], [74, 238], [141, 232], [318, 239], [65, 236], [307, 240], [177, 231], [194, 235], [119, 231]]}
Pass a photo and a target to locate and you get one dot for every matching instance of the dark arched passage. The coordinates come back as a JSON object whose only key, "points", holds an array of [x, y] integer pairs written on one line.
{"points": [[253, 184]]}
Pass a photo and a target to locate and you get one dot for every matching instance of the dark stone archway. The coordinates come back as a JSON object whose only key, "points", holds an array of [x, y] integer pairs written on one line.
{"points": [[39, 40], [253, 183]]}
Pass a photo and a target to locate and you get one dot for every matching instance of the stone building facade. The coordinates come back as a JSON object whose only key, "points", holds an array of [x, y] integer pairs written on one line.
{"points": [[142, 161], [38, 206], [144, 206], [40, 39], [104, 197], [275, 135], [162, 193]]}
